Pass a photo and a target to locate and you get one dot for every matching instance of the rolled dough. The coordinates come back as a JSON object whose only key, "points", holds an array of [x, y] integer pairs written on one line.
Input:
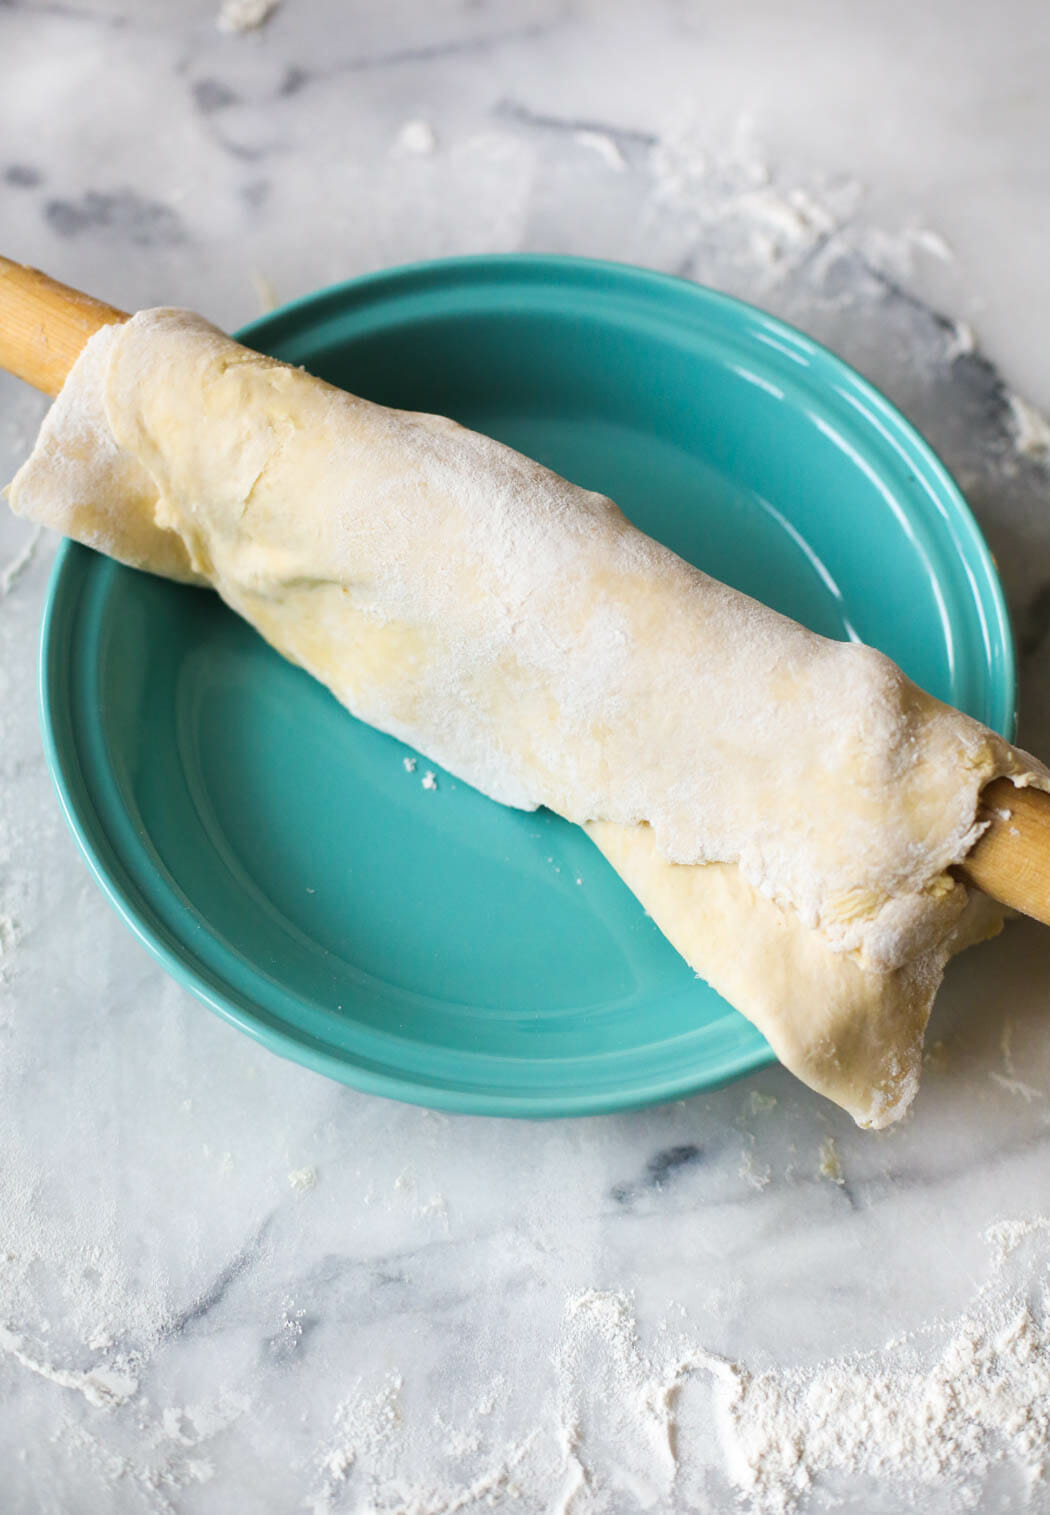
{"points": [[518, 630]]}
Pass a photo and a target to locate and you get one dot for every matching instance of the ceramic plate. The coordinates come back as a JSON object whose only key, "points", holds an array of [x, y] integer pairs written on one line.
{"points": [[279, 858]]}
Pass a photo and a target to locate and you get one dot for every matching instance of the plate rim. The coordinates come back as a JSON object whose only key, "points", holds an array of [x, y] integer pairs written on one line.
{"points": [[67, 577]]}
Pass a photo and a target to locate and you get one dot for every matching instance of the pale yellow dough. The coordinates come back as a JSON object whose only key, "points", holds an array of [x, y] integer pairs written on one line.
{"points": [[785, 807]]}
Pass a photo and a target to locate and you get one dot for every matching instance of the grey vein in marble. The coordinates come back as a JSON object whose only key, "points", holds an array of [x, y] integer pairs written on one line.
{"points": [[122, 215]]}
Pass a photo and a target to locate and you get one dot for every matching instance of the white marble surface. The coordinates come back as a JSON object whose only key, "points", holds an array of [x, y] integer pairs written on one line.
{"points": [[226, 1284]]}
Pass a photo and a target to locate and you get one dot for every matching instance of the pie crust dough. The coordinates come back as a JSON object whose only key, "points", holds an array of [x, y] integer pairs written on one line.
{"points": [[785, 807]]}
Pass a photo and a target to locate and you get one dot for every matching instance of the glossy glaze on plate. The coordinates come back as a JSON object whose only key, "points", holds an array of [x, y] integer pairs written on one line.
{"points": [[279, 857]]}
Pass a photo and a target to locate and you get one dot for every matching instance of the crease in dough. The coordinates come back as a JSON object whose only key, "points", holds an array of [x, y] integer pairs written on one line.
{"points": [[518, 630]]}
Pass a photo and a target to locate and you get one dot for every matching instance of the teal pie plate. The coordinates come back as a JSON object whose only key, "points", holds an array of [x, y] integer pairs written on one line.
{"points": [[283, 862]]}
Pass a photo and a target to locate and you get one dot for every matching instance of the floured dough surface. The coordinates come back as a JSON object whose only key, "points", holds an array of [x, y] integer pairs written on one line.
{"points": [[786, 807]]}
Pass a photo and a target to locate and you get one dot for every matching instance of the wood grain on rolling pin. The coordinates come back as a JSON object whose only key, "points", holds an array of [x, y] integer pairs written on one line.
{"points": [[44, 325], [1011, 861]]}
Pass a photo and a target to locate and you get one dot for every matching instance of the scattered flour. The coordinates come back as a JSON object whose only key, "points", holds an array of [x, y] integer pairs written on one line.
{"points": [[244, 15], [775, 228], [1017, 1086], [264, 291], [611, 1395], [13, 571], [761, 220], [899, 1416], [417, 139], [1005, 1236], [303, 1178], [602, 144], [171, 1454], [365, 1423], [1008, 1078], [933, 243], [758, 231], [758, 1175], [430, 780], [410, 764], [105, 1387], [72, 1274], [1031, 429], [931, 1414], [365, 1458], [830, 1162]]}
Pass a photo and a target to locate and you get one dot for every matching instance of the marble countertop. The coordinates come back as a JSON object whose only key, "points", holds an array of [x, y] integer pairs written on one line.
{"points": [[227, 1284]]}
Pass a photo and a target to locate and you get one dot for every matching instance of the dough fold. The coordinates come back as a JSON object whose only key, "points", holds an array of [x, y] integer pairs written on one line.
{"points": [[785, 807]]}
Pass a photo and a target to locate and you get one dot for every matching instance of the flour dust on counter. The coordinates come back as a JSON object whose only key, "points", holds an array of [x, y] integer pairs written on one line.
{"points": [[938, 1419], [934, 1420], [416, 137], [623, 1419], [237, 16], [16, 566]]}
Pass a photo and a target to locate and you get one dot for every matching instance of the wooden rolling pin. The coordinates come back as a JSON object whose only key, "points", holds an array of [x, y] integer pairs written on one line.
{"points": [[43, 327]]}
